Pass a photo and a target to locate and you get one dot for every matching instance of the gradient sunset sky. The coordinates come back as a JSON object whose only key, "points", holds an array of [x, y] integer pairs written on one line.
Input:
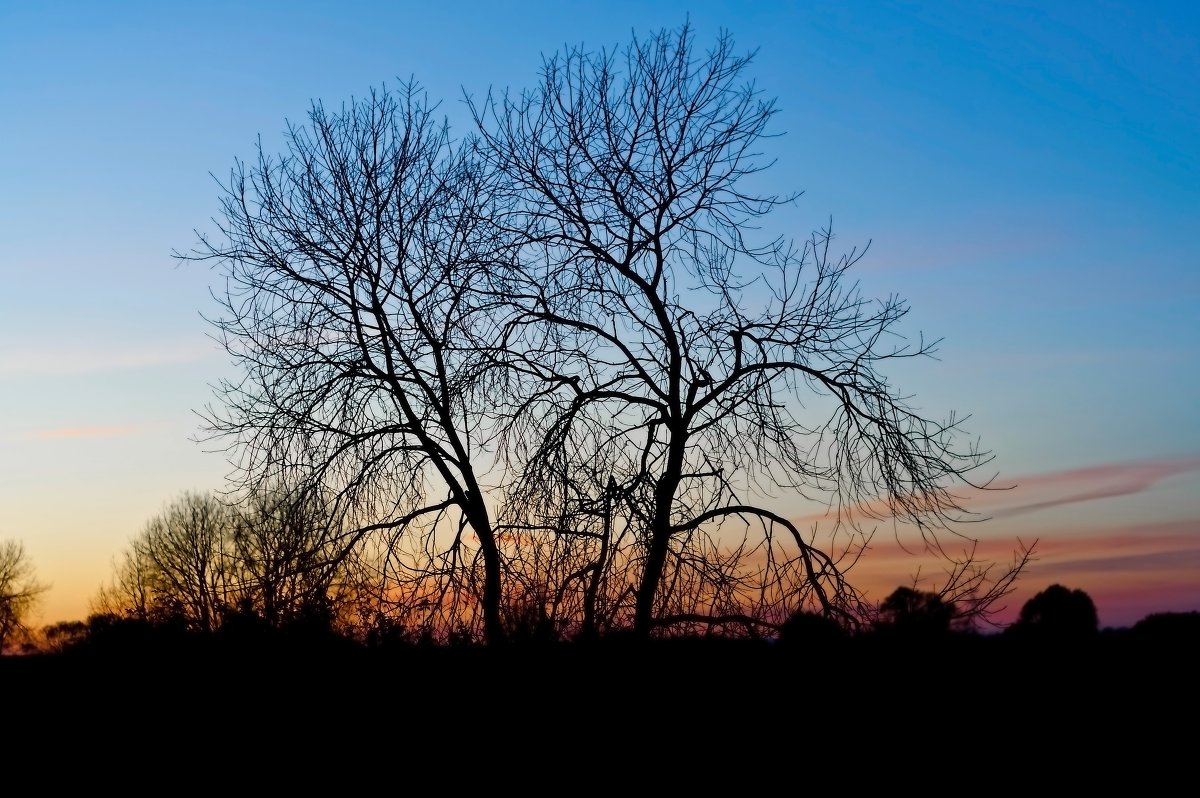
{"points": [[1027, 176]]}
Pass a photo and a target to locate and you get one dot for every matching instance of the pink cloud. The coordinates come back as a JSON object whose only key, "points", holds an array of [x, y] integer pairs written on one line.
{"points": [[1032, 492], [63, 433], [982, 238], [58, 359]]}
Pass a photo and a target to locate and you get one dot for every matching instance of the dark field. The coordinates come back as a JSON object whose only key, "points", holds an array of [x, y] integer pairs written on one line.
{"points": [[695, 712]]}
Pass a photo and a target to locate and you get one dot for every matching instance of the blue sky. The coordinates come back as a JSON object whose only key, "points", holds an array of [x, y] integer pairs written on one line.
{"points": [[1027, 176]]}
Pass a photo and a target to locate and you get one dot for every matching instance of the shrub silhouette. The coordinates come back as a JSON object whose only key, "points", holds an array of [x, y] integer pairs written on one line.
{"points": [[810, 629], [1183, 627]]}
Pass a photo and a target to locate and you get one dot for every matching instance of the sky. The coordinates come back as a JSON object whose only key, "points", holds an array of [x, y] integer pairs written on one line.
{"points": [[1025, 175]]}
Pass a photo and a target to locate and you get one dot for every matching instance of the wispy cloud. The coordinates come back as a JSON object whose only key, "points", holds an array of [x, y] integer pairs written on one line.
{"points": [[69, 359], [986, 237], [64, 433], [1032, 492], [1164, 546], [1135, 564], [1057, 488]]}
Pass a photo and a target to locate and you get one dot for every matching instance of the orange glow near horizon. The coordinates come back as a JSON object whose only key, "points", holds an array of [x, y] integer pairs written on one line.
{"points": [[1127, 573], [1130, 563]]}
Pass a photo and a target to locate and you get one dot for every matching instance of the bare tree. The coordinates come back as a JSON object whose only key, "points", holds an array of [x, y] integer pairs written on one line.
{"points": [[19, 591], [64, 635], [273, 555], [288, 556], [190, 561], [549, 376], [693, 378], [976, 588], [352, 304], [129, 592]]}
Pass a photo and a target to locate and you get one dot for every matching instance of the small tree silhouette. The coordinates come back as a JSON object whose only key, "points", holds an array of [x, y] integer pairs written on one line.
{"points": [[63, 636], [1059, 612], [915, 612], [19, 592]]}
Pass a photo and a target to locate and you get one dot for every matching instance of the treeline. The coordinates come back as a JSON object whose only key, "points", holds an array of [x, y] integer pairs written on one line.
{"points": [[316, 637], [276, 565], [276, 571]]}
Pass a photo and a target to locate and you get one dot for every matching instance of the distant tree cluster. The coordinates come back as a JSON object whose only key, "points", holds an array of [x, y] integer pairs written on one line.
{"points": [[202, 563], [549, 379], [1056, 613]]}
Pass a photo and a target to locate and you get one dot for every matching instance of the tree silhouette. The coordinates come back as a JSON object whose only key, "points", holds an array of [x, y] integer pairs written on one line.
{"points": [[354, 270], [1058, 612], [63, 636], [19, 592], [287, 556], [682, 368], [549, 377], [913, 612], [272, 557]]}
